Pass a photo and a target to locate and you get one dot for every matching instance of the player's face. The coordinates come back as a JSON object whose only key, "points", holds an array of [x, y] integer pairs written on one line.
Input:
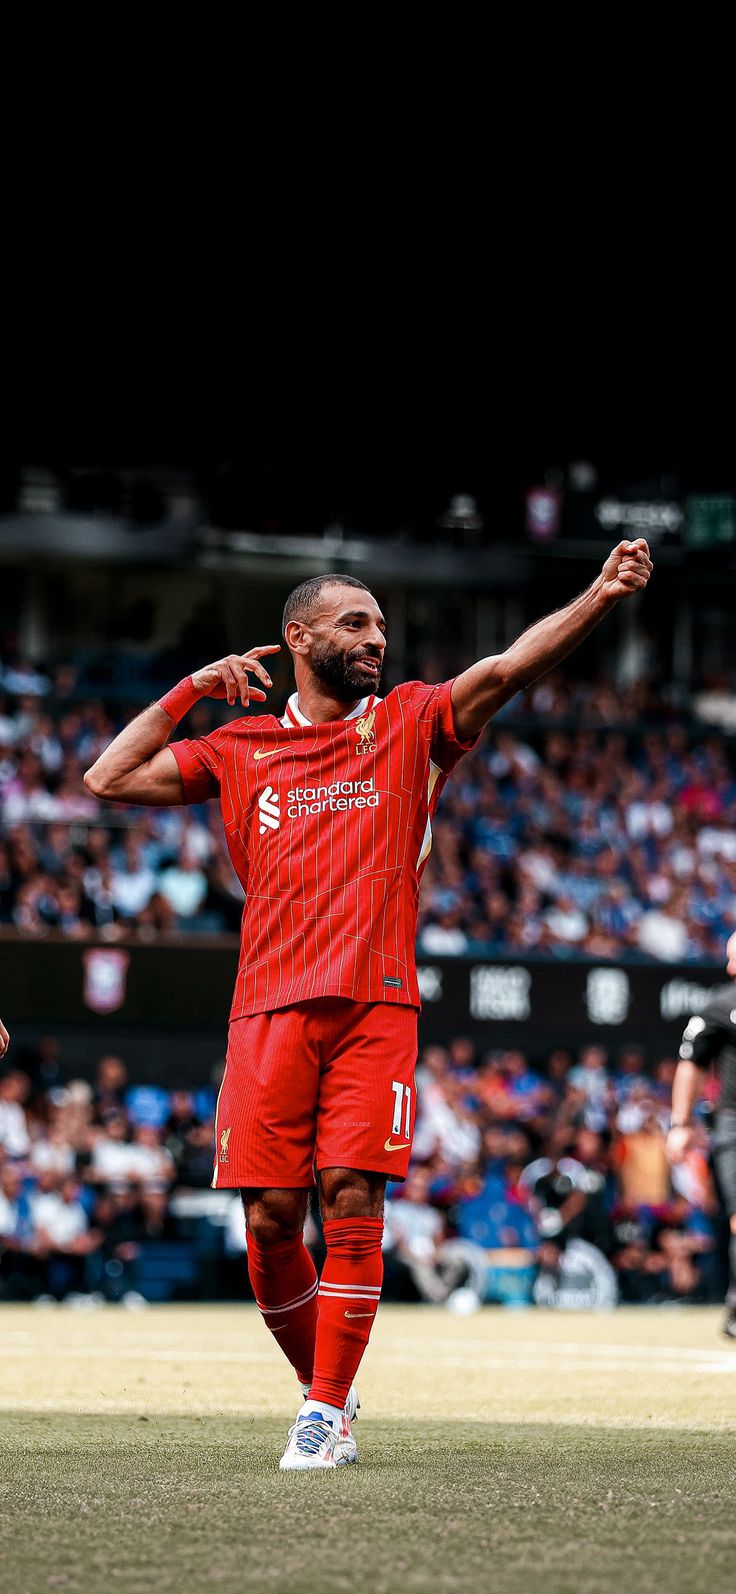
{"points": [[348, 643]]}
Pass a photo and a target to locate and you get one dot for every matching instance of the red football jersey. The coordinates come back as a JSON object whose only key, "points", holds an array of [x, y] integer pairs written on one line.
{"points": [[328, 827]]}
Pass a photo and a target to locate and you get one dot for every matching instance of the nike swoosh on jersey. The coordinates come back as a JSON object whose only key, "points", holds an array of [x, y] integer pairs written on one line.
{"points": [[402, 1146], [358, 1314], [269, 752]]}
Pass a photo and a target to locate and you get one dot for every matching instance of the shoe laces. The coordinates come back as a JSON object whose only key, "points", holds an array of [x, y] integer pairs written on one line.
{"points": [[310, 1435]]}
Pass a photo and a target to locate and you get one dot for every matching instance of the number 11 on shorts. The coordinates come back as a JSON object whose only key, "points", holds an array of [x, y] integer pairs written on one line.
{"points": [[402, 1103]]}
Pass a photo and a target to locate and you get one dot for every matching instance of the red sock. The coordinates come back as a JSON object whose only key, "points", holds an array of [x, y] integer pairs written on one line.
{"points": [[284, 1280], [349, 1292]]}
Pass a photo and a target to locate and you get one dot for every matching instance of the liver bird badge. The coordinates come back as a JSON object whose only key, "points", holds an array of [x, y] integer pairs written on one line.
{"points": [[365, 732]]}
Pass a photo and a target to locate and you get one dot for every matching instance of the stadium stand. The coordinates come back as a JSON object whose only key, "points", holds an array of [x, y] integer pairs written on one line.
{"points": [[104, 1188], [589, 823]]}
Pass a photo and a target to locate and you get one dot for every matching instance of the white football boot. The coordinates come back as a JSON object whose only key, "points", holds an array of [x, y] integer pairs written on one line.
{"points": [[311, 1442], [315, 1440], [346, 1450]]}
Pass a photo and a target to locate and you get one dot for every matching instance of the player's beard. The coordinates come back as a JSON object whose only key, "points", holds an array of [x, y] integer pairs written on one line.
{"points": [[341, 674]]}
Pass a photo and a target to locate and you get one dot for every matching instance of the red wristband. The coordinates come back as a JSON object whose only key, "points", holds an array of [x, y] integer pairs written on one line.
{"points": [[180, 699]]}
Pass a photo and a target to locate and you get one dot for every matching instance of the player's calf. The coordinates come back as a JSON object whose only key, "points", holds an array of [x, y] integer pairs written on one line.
{"points": [[282, 1274], [349, 1292]]}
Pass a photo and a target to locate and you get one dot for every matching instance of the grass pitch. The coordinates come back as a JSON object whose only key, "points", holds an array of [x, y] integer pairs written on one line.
{"points": [[503, 1451]]}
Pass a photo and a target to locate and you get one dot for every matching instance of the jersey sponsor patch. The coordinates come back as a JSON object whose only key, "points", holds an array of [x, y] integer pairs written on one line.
{"points": [[269, 810], [393, 981]]}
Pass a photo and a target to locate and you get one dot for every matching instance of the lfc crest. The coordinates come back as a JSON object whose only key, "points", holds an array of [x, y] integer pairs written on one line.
{"points": [[224, 1138], [365, 732]]}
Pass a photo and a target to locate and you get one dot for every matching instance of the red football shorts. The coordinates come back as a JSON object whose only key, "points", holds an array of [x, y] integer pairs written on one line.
{"points": [[322, 1084]]}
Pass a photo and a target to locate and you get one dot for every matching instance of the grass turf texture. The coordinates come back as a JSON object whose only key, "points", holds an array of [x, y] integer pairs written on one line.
{"points": [[503, 1451]]}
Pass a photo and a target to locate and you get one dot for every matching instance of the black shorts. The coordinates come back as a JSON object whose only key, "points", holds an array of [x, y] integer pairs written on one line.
{"points": [[724, 1158]]}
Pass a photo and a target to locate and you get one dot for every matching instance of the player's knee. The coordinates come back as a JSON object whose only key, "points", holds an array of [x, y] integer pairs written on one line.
{"points": [[346, 1193], [272, 1216]]}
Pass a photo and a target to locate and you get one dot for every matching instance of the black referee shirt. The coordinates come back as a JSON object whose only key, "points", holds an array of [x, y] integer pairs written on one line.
{"points": [[711, 1034]]}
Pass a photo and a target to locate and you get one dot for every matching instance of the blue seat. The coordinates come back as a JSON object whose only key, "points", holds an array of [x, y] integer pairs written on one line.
{"points": [[166, 1270]]}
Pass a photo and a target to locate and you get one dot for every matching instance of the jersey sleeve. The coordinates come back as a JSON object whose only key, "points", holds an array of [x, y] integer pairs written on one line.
{"points": [[704, 1036], [200, 767], [445, 747]]}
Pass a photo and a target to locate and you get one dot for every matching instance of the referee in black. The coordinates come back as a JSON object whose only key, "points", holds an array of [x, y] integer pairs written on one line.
{"points": [[710, 1036]]}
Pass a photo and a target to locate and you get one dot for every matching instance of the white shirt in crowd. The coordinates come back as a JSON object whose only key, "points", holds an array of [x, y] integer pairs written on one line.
{"points": [[116, 1162], [8, 1216], [63, 1221], [458, 1138], [52, 1156], [14, 1137], [413, 1225], [439, 939], [663, 936], [131, 893], [184, 890]]}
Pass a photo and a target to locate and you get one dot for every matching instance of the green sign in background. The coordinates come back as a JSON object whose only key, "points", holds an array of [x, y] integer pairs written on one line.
{"points": [[710, 521]]}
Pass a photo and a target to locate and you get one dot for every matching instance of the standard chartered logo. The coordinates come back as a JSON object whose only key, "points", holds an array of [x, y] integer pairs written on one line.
{"points": [[334, 799], [269, 810], [302, 800]]}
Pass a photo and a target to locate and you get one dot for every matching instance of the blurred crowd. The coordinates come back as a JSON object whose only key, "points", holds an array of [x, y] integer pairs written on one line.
{"points": [[553, 1184], [89, 1176], [548, 1185], [70, 863], [585, 841], [570, 832]]}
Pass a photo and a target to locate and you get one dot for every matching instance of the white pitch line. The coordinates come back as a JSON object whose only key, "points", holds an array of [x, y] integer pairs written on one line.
{"points": [[583, 1348], [581, 1351], [708, 1362]]}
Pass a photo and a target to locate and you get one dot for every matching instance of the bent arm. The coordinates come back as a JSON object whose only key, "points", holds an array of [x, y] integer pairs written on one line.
{"points": [[482, 690], [138, 767]]}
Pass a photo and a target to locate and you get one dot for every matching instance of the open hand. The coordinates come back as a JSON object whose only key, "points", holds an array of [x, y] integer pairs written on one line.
{"points": [[228, 677], [627, 568]]}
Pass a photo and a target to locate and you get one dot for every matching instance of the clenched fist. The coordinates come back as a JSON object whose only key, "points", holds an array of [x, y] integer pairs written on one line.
{"points": [[627, 569]]}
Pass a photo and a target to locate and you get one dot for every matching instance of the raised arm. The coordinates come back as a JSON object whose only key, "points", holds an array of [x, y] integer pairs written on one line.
{"points": [[482, 690], [138, 767]]}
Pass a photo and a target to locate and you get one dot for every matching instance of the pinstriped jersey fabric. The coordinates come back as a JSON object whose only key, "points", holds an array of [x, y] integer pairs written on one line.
{"points": [[329, 828]]}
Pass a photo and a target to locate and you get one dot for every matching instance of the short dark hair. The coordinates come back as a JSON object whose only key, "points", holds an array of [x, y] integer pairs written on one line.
{"points": [[302, 602]]}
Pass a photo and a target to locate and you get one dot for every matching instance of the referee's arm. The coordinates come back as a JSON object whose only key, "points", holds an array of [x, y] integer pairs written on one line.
{"points": [[700, 1043]]}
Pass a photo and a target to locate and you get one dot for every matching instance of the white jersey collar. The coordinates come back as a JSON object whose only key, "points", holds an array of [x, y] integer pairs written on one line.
{"points": [[294, 716]]}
